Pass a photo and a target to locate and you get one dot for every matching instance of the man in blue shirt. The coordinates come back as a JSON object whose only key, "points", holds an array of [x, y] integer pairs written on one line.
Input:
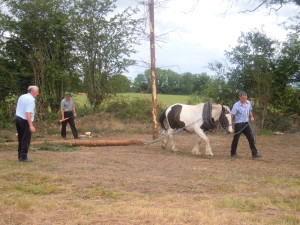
{"points": [[24, 121], [242, 110]]}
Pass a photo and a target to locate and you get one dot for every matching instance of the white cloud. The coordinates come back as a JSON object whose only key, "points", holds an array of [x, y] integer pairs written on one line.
{"points": [[199, 34]]}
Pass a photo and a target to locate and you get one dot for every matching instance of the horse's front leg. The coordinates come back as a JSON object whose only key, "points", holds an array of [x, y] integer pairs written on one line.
{"points": [[202, 135]]}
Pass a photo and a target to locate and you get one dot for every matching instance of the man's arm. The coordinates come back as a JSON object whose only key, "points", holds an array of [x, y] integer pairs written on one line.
{"points": [[251, 115], [74, 111], [62, 114], [28, 117], [73, 108]]}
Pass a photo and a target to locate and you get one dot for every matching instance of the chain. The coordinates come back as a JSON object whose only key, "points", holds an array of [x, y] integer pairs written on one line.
{"points": [[173, 133]]}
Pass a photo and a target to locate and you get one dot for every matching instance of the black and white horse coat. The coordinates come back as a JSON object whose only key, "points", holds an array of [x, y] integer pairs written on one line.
{"points": [[195, 118]]}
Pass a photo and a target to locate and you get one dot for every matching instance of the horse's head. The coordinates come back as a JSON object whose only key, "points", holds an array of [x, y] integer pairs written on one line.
{"points": [[226, 119]]}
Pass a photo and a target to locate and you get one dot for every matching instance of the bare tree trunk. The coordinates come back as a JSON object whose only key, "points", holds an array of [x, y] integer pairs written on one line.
{"points": [[153, 74]]}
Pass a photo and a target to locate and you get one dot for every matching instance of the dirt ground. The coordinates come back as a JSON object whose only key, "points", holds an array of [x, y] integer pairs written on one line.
{"points": [[139, 184]]}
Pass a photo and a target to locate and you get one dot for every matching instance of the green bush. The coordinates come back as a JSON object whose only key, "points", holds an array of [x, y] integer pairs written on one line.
{"points": [[278, 123], [6, 122], [266, 132], [138, 109]]}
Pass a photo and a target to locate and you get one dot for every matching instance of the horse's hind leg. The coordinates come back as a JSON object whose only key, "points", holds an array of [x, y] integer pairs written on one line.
{"points": [[195, 150], [166, 140], [165, 143], [169, 138]]}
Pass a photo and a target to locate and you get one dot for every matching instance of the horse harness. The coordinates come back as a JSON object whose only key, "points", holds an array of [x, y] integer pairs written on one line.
{"points": [[208, 122]]}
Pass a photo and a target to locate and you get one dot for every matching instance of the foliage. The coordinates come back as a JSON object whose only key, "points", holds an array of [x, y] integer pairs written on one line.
{"points": [[137, 109], [40, 41], [7, 111], [278, 123], [103, 42], [118, 84], [265, 71], [253, 70], [170, 82]]}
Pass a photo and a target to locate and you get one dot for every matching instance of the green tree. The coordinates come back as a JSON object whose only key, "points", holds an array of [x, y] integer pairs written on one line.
{"points": [[173, 82], [287, 75], [119, 84], [201, 82], [253, 67], [104, 42], [40, 41], [141, 82], [187, 83]]}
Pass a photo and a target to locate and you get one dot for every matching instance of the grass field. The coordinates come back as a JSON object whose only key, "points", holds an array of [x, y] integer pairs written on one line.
{"points": [[133, 185], [125, 185], [167, 100], [164, 99]]}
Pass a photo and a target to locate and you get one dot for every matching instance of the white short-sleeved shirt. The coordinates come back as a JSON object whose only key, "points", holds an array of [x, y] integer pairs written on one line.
{"points": [[26, 103]]}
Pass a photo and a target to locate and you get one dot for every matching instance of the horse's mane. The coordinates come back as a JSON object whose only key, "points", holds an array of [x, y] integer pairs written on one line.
{"points": [[208, 122]]}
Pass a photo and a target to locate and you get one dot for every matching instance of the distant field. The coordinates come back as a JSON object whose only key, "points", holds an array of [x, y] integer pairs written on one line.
{"points": [[81, 100], [164, 99]]}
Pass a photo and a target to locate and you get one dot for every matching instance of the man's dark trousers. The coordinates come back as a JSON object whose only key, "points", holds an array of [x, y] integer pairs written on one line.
{"points": [[243, 128], [24, 137], [72, 125]]}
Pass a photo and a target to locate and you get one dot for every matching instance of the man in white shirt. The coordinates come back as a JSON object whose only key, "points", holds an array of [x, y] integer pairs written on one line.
{"points": [[24, 121]]}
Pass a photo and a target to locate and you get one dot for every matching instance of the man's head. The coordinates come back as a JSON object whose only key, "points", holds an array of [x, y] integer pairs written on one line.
{"points": [[243, 96], [33, 90], [68, 95]]}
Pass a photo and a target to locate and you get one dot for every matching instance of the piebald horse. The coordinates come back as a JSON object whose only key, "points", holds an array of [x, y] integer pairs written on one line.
{"points": [[196, 118]]}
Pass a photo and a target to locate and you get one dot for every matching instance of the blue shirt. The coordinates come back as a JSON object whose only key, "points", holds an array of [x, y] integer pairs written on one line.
{"points": [[241, 112], [26, 103]]}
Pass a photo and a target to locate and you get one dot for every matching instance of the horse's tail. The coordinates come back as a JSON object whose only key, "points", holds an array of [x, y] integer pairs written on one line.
{"points": [[162, 118]]}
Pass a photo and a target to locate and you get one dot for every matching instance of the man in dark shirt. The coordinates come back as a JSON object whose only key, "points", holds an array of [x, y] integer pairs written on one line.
{"points": [[68, 113]]}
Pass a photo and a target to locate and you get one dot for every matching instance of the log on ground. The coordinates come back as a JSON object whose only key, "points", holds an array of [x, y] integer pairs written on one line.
{"points": [[107, 143]]}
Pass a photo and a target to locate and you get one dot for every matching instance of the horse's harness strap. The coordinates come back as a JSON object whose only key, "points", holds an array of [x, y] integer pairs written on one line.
{"points": [[208, 121]]}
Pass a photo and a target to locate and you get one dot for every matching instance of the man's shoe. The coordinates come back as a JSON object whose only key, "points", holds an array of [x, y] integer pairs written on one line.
{"points": [[64, 138], [256, 156], [235, 156], [25, 160], [77, 137]]}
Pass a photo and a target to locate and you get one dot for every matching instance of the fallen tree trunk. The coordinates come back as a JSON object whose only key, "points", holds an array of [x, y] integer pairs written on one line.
{"points": [[106, 143]]}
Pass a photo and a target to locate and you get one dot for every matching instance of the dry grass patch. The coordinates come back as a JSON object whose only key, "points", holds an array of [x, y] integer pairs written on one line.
{"points": [[136, 185]]}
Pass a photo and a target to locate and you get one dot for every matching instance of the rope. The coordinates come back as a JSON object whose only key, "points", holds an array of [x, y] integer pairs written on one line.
{"points": [[173, 133], [241, 129]]}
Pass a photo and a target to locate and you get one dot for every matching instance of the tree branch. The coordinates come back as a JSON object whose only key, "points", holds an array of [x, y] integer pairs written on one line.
{"points": [[252, 10]]}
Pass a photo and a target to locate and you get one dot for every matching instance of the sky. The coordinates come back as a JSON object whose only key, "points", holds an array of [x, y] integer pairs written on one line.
{"points": [[194, 33]]}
